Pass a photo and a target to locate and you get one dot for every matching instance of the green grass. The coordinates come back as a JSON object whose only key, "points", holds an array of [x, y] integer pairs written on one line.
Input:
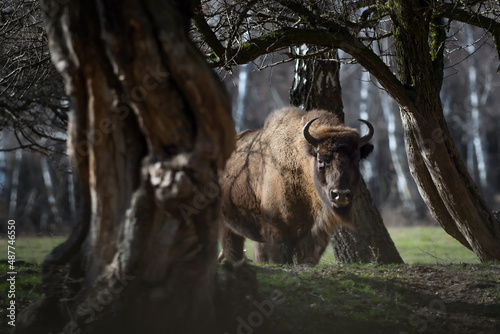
{"points": [[28, 288], [30, 249], [318, 295], [416, 245], [339, 298], [365, 298], [421, 245]]}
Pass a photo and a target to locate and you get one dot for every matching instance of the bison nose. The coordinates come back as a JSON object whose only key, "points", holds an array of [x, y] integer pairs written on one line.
{"points": [[341, 197]]}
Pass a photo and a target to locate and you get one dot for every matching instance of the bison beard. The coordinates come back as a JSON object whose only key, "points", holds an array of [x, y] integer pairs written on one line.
{"points": [[289, 186]]}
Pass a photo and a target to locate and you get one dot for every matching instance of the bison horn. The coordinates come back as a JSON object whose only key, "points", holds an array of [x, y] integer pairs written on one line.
{"points": [[305, 132], [366, 138]]}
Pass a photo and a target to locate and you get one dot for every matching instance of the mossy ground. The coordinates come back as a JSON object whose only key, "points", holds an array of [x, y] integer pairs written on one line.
{"points": [[441, 289], [442, 298]]}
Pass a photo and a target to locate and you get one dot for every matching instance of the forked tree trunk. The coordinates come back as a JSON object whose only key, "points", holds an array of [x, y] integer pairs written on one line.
{"points": [[317, 85], [441, 176], [151, 126]]}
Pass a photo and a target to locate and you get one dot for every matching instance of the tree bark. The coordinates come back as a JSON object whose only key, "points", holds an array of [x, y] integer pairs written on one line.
{"points": [[442, 178], [317, 86], [151, 126]]}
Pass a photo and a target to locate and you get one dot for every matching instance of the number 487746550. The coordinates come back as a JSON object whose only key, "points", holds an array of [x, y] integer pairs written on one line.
{"points": [[11, 234]]}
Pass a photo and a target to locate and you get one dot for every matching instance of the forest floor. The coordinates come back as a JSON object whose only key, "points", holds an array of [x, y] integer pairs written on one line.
{"points": [[435, 292], [402, 299], [333, 298]]}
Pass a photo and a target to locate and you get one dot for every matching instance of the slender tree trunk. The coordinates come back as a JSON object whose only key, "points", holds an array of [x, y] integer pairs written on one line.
{"points": [[317, 85], [3, 173], [71, 199], [442, 178], [30, 203], [51, 197], [476, 152], [14, 185], [151, 126], [407, 189], [241, 100], [368, 167]]}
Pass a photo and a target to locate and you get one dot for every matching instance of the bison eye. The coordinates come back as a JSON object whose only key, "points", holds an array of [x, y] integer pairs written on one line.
{"points": [[322, 163]]}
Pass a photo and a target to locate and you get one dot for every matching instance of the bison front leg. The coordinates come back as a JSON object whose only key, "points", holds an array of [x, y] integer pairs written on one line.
{"points": [[260, 252], [279, 250], [307, 257], [310, 249], [232, 244]]}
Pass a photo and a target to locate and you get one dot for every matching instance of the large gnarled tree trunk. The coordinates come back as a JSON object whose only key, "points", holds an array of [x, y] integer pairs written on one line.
{"points": [[317, 86], [150, 128]]}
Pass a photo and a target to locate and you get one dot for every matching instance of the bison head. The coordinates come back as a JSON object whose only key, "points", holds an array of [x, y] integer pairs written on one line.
{"points": [[337, 151]]}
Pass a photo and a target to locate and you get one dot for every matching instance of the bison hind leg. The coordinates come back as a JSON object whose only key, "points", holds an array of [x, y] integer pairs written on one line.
{"points": [[232, 245]]}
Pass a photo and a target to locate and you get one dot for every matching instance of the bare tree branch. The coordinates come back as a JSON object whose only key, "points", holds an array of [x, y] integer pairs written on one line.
{"points": [[32, 100], [487, 21]]}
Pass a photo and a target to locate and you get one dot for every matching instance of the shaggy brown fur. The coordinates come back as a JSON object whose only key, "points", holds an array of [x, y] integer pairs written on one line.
{"points": [[277, 188]]}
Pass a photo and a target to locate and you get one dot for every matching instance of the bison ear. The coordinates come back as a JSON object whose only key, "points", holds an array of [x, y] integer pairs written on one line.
{"points": [[365, 150], [310, 150]]}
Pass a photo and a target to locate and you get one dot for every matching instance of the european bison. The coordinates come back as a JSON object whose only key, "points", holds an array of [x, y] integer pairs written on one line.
{"points": [[289, 185]]}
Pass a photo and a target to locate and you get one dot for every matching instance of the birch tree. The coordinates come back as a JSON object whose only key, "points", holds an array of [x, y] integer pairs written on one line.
{"points": [[406, 187], [317, 86], [476, 152], [14, 185]]}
